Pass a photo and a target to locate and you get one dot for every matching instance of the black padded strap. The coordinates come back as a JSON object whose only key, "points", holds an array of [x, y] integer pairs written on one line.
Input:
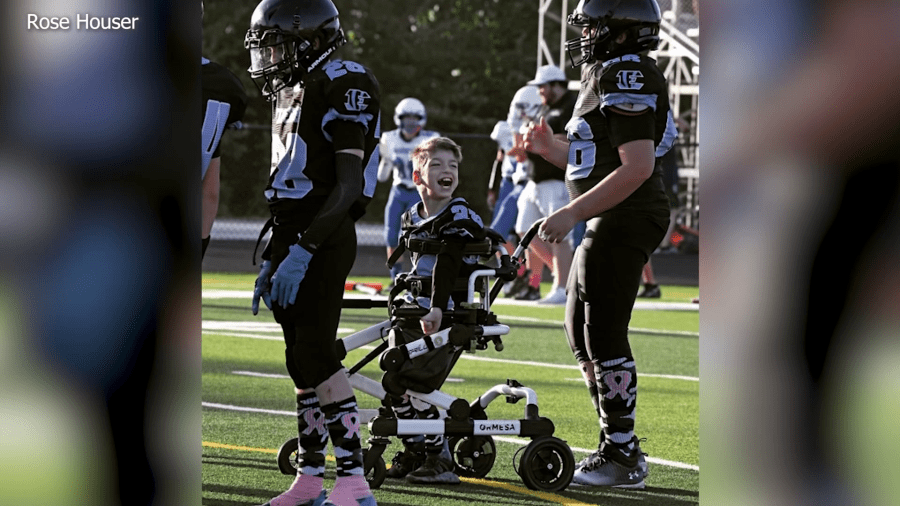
{"points": [[398, 252], [262, 233]]}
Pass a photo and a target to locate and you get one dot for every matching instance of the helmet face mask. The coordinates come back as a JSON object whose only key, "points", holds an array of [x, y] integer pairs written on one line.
{"points": [[410, 116], [604, 21], [584, 46], [524, 108], [526, 111], [288, 39], [410, 124], [273, 59]]}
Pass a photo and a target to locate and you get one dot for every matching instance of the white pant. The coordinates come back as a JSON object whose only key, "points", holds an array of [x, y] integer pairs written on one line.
{"points": [[540, 200]]}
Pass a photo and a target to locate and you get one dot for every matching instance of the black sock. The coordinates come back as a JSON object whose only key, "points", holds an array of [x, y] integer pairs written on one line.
{"points": [[342, 420], [313, 435]]}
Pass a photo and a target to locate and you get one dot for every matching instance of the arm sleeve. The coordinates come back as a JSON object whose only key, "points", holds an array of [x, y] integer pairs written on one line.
{"points": [[623, 127], [349, 188], [446, 270], [464, 227], [347, 134]]}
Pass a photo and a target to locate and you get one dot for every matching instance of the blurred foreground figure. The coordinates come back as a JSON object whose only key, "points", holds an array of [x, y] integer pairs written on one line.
{"points": [[99, 284], [800, 254]]}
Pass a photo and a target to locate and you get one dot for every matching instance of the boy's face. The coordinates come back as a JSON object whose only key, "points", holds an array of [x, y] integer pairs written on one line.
{"points": [[440, 175]]}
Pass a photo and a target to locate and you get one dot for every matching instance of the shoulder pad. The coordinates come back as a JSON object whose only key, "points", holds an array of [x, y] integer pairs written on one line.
{"points": [[630, 74], [408, 218], [220, 84], [460, 219], [630, 108], [350, 88]]}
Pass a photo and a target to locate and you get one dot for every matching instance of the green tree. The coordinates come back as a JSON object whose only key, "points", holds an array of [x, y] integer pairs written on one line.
{"points": [[464, 59]]}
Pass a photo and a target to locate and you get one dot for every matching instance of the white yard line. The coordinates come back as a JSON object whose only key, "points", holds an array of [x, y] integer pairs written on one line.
{"points": [[230, 327], [467, 356], [235, 294], [513, 440], [639, 305]]}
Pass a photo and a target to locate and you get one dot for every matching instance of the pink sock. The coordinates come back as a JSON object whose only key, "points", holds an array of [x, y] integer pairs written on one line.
{"points": [[347, 489], [535, 281], [305, 488]]}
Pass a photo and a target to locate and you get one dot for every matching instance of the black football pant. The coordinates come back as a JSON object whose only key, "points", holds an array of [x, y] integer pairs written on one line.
{"points": [[310, 324], [604, 281], [601, 289]]}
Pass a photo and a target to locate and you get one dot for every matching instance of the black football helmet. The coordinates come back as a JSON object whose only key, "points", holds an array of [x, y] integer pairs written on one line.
{"points": [[287, 39], [605, 21]]}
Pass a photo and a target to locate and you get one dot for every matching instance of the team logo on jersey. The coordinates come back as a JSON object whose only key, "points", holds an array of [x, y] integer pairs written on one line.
{"points": [[628, 79], [356, 100]]}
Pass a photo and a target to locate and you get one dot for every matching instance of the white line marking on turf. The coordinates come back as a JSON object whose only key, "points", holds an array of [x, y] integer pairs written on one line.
{"points": [[514, 440], [274, 327], [261, 375], [231, 294], [660, 332], [639, 305], [466, 356], [285, 376], [243, 326]]}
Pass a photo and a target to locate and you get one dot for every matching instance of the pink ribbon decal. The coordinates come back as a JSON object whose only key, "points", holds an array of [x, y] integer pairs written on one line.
{"points": [[618, 382]]}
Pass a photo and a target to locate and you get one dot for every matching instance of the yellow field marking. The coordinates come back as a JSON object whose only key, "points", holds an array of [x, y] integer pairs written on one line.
{"points": [[242, 448], [474, 481], [521, 490]]}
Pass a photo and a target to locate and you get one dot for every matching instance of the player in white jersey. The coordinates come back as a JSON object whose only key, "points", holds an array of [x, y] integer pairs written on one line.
{"points": [[510, 174], [410, 117]]}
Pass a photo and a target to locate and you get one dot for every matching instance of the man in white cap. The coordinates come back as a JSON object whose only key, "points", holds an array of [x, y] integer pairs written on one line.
{"points": [[546, 191]]}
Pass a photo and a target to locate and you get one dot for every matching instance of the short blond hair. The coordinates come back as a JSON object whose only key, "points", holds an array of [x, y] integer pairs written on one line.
{"points": [[423, 151]]}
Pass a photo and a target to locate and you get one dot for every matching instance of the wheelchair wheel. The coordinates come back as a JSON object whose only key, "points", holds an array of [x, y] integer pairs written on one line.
{"points": [[288, 456], [377, 473], [473, 455], [547, 464]]}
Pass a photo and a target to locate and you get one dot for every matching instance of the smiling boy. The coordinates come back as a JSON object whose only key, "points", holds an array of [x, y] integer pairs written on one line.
{"points": [[439, 219], [440, 216]]}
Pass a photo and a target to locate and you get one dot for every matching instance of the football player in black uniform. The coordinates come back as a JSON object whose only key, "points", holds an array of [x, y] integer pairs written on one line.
{"points": [[224, 103], [621, 124], [325, 131]]}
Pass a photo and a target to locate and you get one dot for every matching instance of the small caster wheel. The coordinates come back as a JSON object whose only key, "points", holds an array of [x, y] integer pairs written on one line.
{"points": [[547, 464], [288, 456], [473, 455], [376, 474], [391, 360]]}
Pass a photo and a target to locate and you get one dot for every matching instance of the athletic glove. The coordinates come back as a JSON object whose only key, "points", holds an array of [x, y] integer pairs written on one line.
{"points": [[262, 287], [287, 278]]}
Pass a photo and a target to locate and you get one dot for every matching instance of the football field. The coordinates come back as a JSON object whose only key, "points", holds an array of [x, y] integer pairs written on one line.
{"points": [[249, 407]]}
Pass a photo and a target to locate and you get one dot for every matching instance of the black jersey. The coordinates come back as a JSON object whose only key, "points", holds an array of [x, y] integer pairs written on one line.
{"points": [[635, 86], [303, 145], [457, 222], [224, 103], [455, 225]]}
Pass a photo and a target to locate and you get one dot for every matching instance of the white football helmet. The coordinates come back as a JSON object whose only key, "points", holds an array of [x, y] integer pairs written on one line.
{"points": [[525, 106], [410, 107], [502, 135]]}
